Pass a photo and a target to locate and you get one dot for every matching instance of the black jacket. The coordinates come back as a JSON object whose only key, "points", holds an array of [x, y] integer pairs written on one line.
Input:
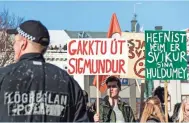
{"points": [[176, 112], [32, 90], [108, 115]]}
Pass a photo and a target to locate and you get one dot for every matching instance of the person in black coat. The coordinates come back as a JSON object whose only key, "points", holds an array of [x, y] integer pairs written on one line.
{"points": [[32, 90]]}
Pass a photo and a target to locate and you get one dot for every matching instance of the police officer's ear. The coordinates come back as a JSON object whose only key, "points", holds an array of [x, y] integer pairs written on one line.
{"points": [[24, 44]]}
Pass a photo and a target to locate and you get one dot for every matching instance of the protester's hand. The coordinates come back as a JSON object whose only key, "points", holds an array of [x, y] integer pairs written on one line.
{"points": [[96, 118]]}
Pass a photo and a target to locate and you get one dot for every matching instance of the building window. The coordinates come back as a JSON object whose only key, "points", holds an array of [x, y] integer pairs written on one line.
{"points": [[92, 100], [186, 81], [138, 81], [124, 81], [83, 35], [184, 97], [138, 107], [91, 78], [125, 100], [163, 81]]}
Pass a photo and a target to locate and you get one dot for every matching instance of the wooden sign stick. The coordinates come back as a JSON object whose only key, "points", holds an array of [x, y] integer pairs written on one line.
{"points": [[166, 101]]}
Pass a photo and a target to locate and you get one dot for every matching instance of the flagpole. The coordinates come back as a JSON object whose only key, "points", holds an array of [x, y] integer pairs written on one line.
{"points": [[97, 93]]}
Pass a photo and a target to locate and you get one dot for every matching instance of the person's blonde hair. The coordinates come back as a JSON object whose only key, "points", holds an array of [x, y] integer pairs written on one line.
{"points": [[152, 108], [182, 109]]}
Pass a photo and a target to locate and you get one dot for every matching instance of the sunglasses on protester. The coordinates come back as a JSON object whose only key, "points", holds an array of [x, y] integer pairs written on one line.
{"points": [[112, 86]]}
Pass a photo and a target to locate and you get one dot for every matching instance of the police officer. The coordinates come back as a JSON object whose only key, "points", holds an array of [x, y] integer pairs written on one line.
{"points": [[32, 90]]}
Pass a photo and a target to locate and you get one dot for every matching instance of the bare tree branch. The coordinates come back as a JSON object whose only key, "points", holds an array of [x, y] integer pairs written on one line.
{"points": [[7, 21]]}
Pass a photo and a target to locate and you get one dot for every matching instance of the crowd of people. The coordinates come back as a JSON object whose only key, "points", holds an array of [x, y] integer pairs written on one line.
{"points": [[32, 90], [153, 110]]}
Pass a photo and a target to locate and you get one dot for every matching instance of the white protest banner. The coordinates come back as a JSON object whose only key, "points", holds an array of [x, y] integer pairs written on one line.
{"points": [[103, 56], [136, 58]]}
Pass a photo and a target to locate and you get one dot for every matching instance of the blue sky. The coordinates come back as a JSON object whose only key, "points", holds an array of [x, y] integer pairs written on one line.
{"points": [[96, 15]]}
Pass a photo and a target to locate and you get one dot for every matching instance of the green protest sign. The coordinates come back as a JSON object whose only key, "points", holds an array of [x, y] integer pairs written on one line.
{"points": [[165, 55]]}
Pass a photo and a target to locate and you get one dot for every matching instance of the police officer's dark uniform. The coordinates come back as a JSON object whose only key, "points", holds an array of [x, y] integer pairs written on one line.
{"points": [[32, 90]]}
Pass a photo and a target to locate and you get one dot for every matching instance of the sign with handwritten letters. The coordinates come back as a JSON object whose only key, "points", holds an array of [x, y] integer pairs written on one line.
{"points": [[187, 42], [136, 58], [103, 56], [166, 55]]}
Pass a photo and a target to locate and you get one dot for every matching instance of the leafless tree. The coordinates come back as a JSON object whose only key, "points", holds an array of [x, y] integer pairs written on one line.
{"points": [[7, 21]]}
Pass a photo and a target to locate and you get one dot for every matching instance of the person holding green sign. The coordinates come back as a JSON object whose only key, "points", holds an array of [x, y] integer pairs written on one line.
{"points": [[159, 92]]}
